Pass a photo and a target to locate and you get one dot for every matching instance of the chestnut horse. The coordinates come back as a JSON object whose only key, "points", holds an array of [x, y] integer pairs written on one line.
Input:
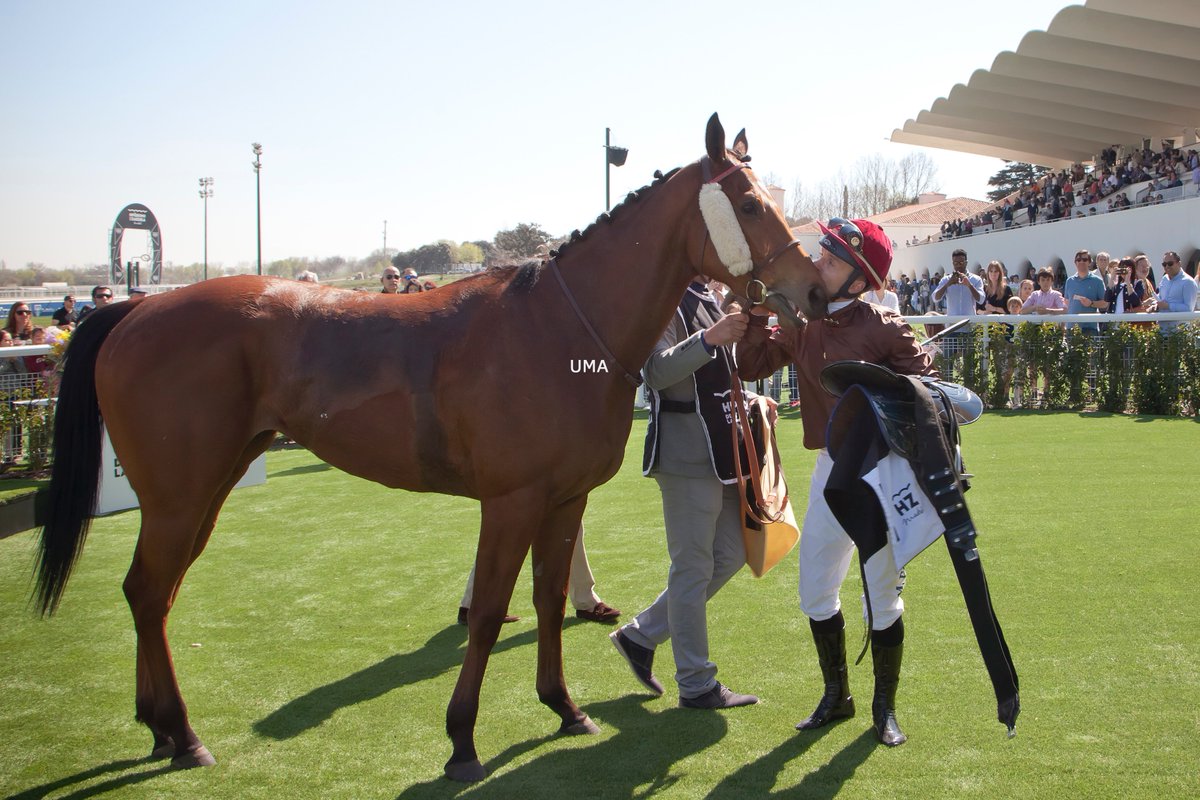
{"points": [[470, 387]]}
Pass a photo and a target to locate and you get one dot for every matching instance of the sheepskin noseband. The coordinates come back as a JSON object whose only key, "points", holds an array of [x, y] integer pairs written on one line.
{"points": [[724, 230]]}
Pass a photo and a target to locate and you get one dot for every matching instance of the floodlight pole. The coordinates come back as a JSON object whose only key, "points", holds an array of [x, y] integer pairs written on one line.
{"points": [[206, 192], [607, 163], [257, 163], [613, 156]]}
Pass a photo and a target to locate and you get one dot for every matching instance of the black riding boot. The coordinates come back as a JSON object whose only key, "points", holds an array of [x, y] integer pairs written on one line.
{"points": [[830, 638], [887, 649]]}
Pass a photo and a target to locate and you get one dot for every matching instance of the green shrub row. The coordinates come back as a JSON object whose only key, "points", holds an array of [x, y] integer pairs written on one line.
{"points": [[1134, 368], [26, 428]]}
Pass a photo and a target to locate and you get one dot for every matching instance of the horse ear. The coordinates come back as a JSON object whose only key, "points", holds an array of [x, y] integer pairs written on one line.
{"points": [[741, 146], [714, 140]]}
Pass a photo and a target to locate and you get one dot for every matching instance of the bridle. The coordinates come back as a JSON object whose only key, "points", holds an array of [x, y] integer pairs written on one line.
{"points": [[755, 286], [764, 294]]}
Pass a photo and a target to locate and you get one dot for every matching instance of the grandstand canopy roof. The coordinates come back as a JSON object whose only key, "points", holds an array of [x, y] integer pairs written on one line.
{"points": [[1109, 72]]}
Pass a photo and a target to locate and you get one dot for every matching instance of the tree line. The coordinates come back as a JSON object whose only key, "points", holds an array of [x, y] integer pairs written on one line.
{"points": [[873, 185]]}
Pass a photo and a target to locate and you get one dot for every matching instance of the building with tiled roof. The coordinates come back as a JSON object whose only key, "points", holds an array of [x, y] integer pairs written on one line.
{"points": [[920, 221]]}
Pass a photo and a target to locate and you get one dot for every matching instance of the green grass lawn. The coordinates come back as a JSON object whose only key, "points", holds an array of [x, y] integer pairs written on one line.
{"points": [[316, 647], [16, 484]]}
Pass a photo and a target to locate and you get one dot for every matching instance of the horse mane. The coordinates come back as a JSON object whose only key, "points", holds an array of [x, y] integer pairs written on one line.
{"points": [[608, 216], [524, 276], [516, 277], [527, 275]]}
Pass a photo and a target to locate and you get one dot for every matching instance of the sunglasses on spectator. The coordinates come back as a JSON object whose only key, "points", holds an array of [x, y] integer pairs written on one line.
{"points": [[106, 296], [1165, 264], [26, 312], [1082, 258], [392, 277]]}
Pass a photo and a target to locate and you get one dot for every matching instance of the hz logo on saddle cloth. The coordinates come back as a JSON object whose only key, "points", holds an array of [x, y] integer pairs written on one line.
{"points": [[912, 523], [904, 502]]}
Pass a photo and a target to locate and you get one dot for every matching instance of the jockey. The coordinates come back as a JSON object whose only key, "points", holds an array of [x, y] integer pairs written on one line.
{"points": [[855, 255]]}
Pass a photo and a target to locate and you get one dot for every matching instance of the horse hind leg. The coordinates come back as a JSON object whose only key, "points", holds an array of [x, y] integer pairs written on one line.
{"points": [[552, 549], [167, 545], [160, 560]]}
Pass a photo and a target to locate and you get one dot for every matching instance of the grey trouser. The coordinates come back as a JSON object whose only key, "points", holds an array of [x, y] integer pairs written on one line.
{"points": [[704, 539]]}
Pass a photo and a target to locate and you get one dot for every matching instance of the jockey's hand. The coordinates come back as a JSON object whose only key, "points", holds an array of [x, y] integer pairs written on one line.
{"points": [[729, 329]]}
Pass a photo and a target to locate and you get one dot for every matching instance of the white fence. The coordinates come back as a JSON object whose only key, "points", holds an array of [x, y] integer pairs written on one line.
{"points": [[781, 386], [27, 409]]}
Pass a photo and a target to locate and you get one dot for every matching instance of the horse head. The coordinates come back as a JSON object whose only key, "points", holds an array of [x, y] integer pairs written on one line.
{"points": [[753, 250]]}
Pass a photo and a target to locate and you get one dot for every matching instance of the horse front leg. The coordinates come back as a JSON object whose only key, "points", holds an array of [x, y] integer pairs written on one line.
{"points": [[506, 529], [552, 550]]}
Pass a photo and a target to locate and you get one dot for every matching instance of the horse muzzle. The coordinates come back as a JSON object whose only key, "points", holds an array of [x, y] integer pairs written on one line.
{"points": [[791, 308]]}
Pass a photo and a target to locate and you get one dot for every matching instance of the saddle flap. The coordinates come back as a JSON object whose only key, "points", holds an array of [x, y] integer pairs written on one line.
{"points": [[839, 376], [893, 415]]}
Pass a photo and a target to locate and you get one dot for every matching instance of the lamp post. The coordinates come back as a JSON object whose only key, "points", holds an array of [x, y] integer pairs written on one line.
{"points": [[614, 156], [205, 193], [258, 198]]}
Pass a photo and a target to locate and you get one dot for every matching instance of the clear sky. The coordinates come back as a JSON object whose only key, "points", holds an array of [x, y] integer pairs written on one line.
{"points": [[450, 120]]}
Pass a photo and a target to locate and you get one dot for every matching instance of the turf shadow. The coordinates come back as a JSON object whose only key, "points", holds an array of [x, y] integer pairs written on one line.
{"points": [[302, 470], [45, 789], [635, 762], [758, 778], [443, 652]]}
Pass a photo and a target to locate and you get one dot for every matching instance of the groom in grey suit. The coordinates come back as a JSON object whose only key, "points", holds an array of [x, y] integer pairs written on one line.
{"points": [[690, 454]]}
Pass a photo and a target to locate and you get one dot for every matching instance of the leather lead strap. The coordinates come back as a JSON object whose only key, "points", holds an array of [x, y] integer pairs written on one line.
{"points": [[741, 424]]}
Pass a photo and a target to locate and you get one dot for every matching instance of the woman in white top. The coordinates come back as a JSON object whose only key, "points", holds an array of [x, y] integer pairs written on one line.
{"points": [[886, 298]]}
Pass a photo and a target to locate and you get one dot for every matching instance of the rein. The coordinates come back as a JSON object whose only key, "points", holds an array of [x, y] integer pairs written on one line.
{"points": [[633, 380], [758, 509]]}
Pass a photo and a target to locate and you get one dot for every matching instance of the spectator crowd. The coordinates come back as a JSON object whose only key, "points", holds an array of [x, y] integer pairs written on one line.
{"points": [[1101, 283], [1078, 191]]}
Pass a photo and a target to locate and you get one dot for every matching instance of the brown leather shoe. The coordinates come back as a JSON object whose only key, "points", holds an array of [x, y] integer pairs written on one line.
{"points": [[601, 612], [641, 660], [718, 697], [463, 612]]}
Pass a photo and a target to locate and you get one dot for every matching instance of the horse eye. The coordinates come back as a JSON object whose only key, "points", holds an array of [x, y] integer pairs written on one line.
{"points": [[750, 206]]}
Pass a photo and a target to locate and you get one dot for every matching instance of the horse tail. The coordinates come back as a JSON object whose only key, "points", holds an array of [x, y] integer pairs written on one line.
{"points": [[75, 474]]}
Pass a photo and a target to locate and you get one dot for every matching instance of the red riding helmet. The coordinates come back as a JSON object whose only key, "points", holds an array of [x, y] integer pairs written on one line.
{"points": [[861, 243]]}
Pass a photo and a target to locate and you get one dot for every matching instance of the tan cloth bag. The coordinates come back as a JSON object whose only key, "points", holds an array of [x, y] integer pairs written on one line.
{"points": [[769, 527]]}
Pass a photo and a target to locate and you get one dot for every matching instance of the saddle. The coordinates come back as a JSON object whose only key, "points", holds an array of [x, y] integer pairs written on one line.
{"points": [[918, 419]]}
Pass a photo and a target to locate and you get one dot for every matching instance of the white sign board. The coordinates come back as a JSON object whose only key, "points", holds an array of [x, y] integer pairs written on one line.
{"points": [[117, 495]]}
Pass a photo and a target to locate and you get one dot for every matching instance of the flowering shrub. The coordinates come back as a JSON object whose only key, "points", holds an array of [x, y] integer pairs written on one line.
{"points": [[58, 339]]}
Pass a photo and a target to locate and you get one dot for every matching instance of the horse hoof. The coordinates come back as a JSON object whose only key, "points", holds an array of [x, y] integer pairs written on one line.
{"points": [[200, 757], [465, 771], [162, 751], [584, 726]]}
